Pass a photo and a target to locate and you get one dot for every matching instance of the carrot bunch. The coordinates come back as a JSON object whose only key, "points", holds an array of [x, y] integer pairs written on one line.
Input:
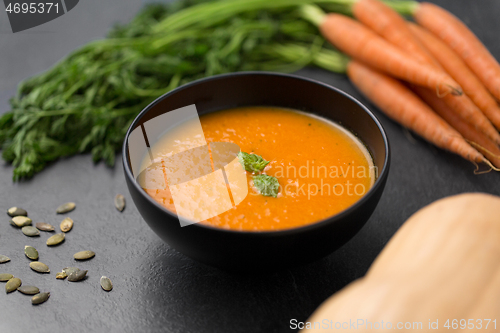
{"points": [[434, 77]]}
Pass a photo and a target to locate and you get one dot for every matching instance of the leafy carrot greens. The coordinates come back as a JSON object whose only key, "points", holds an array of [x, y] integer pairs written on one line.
{"points": [[86, 102]]}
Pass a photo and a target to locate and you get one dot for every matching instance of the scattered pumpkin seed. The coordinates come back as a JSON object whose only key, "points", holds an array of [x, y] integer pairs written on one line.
{"points": [[55, 240], [106, 283], [31, 252], [120, 202], [3, 259], [77, 276], [39, 267], [70, 270], [4, 277], [20, 221], [44, 226], [28, 290], [16, 211], [40, 298], [66, 208], [30, 231], [61, 275], [84, 255], [66, 224], [12, 285]]}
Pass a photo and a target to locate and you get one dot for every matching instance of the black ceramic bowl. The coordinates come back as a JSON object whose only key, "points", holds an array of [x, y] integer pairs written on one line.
{"points": [[254, 251]]}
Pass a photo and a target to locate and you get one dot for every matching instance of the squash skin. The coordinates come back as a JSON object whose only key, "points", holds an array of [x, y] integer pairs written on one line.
{"points": [[443, 263]]}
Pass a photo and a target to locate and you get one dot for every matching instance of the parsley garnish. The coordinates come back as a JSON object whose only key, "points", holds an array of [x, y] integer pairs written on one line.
{"points": [[267, 185], [252, 162]]}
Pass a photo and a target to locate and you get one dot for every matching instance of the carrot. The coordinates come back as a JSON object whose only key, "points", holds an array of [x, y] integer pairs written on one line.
{"points": [[402, 105], [392, 27], [362, 44], [465, 108], [457, 68], [455, 33], [482, 142]]}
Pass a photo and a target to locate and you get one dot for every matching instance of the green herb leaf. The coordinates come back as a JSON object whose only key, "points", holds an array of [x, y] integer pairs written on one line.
{"points": [[267, 185], [252, 162]]}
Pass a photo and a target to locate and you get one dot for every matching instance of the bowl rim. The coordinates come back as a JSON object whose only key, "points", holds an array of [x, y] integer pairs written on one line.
{"points": [[265, 233]]}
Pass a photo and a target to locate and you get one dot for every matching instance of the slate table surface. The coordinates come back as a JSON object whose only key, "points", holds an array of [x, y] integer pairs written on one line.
{"points": [[156, 289]]}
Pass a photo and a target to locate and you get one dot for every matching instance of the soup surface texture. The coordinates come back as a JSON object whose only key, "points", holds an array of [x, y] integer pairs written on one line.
{"points": [[321, 167]]}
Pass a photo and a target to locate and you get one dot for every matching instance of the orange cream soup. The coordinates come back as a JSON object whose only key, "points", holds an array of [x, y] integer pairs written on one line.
{"points": [[321, 167]]}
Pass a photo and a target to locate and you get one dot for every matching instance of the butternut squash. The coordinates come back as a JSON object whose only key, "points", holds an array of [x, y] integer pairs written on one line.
{"points": [[442, 265]]}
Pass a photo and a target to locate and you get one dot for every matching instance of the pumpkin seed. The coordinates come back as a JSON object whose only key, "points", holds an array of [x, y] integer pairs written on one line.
{"points": [[55, 240], [70, 270], [44, 226], [39, 267], [106, 283], [66, 208], [3, 259], [12, 285], [61, 275], [16, 211], [120, 202], [84, 255], [4, 277], [31, 252], [77, 276], [66, 224], [28, 290], [20, 221], [30, 231], [40, 298]]}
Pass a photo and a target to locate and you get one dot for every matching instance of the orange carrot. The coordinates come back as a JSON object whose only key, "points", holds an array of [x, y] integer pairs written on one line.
{"points": [[465, 108], [455, 33], [402, 105], [456, 67], [362, 44], [488, 147], [392, 27]]}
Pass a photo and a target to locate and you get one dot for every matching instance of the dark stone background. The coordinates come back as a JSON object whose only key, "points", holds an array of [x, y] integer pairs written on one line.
{"points": [[156, 288]]}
